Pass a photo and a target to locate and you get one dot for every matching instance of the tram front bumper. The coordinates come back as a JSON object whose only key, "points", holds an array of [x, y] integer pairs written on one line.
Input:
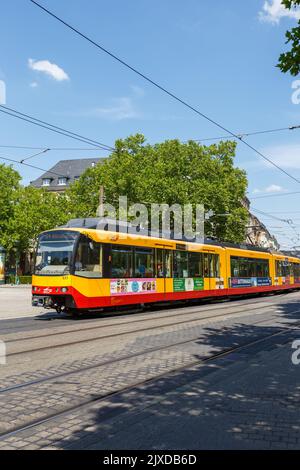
{"points": [[42, 301]]}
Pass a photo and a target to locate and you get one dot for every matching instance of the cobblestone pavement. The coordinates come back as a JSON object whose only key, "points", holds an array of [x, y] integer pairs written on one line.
{"points": [[244, 400]]}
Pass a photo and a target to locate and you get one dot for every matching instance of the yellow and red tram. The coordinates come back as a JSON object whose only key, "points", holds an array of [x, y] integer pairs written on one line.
{"points": [[84, 269]]}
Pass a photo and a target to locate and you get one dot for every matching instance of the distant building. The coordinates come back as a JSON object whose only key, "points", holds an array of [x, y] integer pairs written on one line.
{"points": [[64, 173], [257, 233], [295, 252]]}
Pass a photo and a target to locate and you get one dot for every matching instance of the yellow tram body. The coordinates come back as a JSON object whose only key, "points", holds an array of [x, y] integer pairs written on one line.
{"points": [[89, 274]]}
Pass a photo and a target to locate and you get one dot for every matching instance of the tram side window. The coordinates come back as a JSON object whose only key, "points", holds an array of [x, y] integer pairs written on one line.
{"points": [[144, 262], [278, 268], [211, 265], [195, 264], [180, 264], [214, 262], [249, 267], [121, 261], [234, 264], [296, 267], [168, 263], [159, 263], [245, 268], [283, 268], [262, 268], [206, 265], [163, 263], [88, 259]]}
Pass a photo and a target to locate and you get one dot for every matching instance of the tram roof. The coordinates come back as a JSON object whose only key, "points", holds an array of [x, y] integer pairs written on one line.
{"points": [[125, 227], [91, 226]]}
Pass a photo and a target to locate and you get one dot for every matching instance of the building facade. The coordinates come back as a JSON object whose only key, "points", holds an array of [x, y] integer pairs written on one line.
{"points": [[257, 233], [64, 173]]}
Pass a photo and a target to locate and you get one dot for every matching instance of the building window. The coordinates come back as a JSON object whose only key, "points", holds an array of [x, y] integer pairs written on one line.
{"points": [[46, 181], [62, 181]]}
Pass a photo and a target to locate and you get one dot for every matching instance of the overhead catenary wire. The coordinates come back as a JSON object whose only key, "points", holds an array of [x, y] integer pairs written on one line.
{"points": [[72, 149], [274, 195], [244, 134], [289, 222], [53, 128], [30, 166], [163, 89], [247, 134], [270, 215], [35, 155]]}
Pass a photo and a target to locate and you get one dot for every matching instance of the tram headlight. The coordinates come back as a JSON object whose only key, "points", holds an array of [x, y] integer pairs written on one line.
{"points": [[64, 289]]}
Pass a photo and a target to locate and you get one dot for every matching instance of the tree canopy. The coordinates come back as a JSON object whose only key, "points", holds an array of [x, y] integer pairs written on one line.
{"points": [[173, 173], [290, 61], [170, 172], [36, 210], [27, 211], [9, 184]]}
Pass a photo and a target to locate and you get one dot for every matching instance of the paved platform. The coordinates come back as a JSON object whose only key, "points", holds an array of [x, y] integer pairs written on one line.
{"points": [[15, 302]]}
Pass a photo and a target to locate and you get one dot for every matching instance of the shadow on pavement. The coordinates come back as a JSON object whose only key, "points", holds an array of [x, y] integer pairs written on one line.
{"points": [[247, 399]]}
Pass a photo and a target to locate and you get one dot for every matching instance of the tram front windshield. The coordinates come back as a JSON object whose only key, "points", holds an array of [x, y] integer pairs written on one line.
{"points": [[54, 253]]}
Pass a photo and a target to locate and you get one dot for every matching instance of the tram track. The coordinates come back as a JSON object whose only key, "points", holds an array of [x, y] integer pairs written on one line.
{"points": [[102, 397], [129, 315], [138, 330], [105, 363]]}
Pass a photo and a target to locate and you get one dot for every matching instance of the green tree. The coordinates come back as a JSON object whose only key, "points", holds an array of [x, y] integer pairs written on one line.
{"points": [[10, 186], [35, 210], [170, 172], [290, 61]]}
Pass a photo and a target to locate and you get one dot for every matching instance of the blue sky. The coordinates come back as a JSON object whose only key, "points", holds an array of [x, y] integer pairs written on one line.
{"points": [[219, 56]]}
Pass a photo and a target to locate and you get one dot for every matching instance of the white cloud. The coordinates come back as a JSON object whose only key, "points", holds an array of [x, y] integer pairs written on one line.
{"points": [[53, 70], [33, 84], [121, 108], [273, 188], [2, 92], [273, 10], [287, 156], [138, 91]]}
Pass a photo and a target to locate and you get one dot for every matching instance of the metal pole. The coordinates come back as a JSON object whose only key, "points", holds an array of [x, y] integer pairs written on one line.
{"points": [[100, 211]]}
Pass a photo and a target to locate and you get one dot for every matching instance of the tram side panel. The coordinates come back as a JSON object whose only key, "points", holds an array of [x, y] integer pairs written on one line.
{"points": [[248, 271]]}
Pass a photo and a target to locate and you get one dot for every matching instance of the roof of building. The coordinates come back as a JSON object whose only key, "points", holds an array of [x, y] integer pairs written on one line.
{"points": [[70, 169]]}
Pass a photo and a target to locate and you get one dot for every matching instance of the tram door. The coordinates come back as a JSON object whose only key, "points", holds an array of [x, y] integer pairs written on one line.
{"points": [[210, 270], [206, 271], [161, 268]]}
